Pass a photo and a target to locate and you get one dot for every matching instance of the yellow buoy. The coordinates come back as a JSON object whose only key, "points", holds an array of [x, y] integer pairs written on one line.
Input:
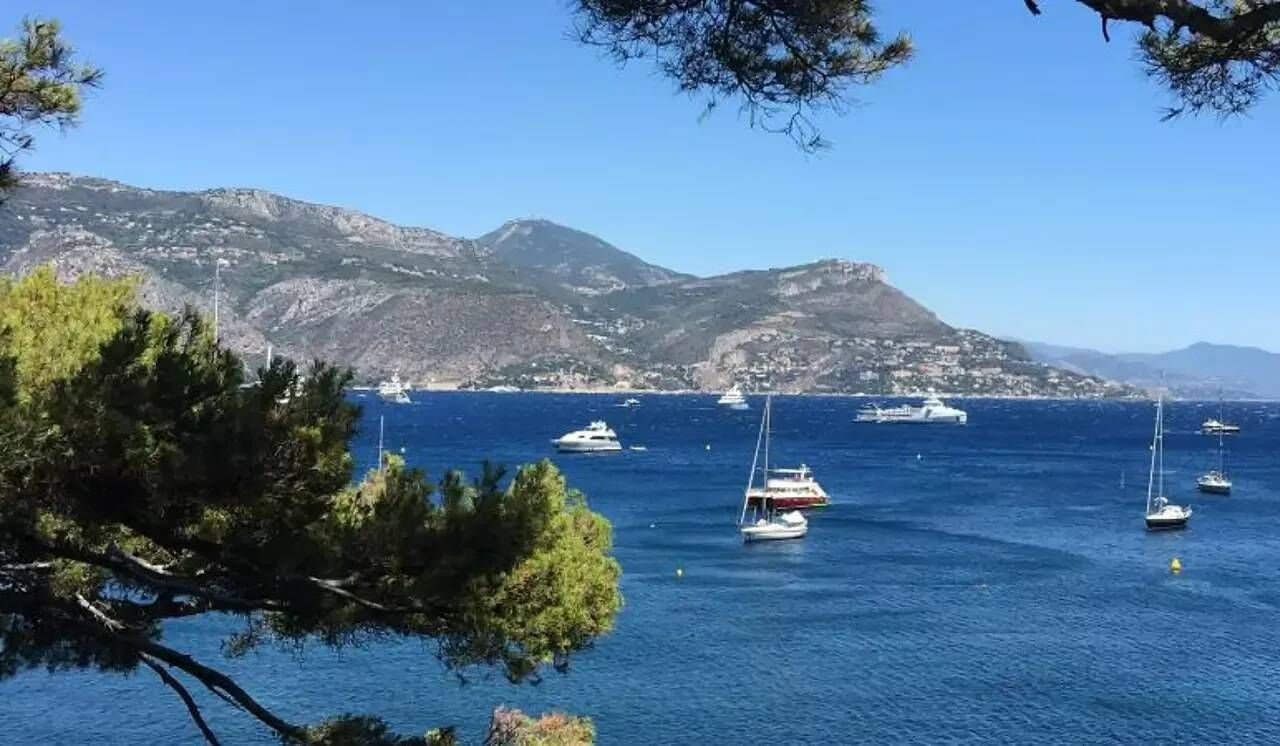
{"points": [[1176, 565], [679, 572]]}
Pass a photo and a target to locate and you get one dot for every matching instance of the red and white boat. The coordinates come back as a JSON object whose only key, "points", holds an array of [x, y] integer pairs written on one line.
{"points": [[790, 489]]}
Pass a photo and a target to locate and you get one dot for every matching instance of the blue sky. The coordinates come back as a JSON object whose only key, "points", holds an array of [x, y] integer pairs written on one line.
{"points": [[1015, 177]]}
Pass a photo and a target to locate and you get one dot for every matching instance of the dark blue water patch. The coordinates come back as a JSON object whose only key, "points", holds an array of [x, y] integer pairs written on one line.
{"points": [[985, 584]]}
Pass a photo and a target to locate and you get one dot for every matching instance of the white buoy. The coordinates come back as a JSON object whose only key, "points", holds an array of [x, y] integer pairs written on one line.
{"points": [[679, 572]]}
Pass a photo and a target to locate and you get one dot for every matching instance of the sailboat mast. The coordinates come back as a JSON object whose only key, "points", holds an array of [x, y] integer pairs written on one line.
{"points": [[1155, 440], [751, 477], [382, 424], [1160, 437], [768, 426], [217, 286]]}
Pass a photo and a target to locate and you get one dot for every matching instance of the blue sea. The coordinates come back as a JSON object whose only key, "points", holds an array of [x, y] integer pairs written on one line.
{"points": [[982, 584]]}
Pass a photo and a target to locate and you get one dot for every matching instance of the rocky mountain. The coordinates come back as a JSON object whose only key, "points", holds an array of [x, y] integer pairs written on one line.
{"points": [[579, 260], [531, 304], [1202, 370]]}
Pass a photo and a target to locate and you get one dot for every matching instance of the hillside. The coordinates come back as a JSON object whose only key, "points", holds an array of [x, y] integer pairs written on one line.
{"points": [[532, 303], [1202, 370], [582, 262]]}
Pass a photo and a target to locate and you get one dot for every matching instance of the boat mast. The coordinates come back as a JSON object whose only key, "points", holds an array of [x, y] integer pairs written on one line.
{"points": [[217, 282], [1160, 436], [1155, 441], [382, 424], [751, 477]]}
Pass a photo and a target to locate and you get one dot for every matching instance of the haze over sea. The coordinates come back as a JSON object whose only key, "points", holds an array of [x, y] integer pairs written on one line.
{"points": [[990, 583]]}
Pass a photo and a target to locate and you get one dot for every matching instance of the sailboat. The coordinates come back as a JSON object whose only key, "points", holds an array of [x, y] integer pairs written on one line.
{"points": [[1161, 514], [1216, 481], [766, 523]]}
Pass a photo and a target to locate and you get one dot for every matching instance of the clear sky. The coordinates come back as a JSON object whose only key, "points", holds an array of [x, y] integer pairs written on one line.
{"points": [[1015, 177]]}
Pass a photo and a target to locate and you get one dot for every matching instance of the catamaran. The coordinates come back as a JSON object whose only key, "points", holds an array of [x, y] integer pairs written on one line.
{"points": [[733, 398], [594, 438], [1216, 481], [766, 523], [1161, 514], [932, 412]]}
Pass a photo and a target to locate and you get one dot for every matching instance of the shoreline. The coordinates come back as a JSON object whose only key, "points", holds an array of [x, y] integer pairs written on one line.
{"points": [[815, 394]]}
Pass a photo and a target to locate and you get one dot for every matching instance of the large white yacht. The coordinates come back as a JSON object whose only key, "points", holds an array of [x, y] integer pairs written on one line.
{"points": [[594, 438], [733, 398], [394, 390], [932, 412], [1218, 427]]}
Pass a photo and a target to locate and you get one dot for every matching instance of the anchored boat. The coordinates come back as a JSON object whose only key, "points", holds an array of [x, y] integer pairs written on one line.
{"points": [[1161, 514], [770, 521], [933, 411], [594, 438]]}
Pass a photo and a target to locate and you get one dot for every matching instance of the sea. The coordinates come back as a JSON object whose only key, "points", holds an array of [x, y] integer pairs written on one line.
{"points": [[991, 583]]}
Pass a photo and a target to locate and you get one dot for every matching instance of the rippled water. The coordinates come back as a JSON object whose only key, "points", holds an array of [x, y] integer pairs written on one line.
{"points": [[991, 583]]}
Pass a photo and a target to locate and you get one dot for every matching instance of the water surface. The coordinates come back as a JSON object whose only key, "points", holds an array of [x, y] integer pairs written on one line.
{"points": [[979, 584]]}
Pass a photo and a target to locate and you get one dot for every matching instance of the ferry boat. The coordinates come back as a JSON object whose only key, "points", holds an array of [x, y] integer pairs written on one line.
{"points": [[733, 398], [394, 390], [594, 438], [932, 412]]}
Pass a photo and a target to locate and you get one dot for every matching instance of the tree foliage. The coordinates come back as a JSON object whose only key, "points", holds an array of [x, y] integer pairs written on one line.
{"points": [[782, 59], [144, 481], [40, 84]]}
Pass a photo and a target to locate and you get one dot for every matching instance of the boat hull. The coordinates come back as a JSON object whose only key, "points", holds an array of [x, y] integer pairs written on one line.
{"points": [[588, 447], [1214, 489], [790, 502], [772, 532], [1155, 523]]}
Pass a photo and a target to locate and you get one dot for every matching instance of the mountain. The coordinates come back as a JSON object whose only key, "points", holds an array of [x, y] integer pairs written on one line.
{"points": [[581, 261], [1202, 370], [532, 303]]}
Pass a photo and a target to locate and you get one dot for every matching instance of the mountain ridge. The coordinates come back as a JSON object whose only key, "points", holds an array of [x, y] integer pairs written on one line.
{"points": [[1199, 370], [533, 303]]}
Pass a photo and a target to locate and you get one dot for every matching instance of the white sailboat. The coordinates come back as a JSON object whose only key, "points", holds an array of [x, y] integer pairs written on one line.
{"points": [[766, 523], [1216, 481], [1161, 514]]}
